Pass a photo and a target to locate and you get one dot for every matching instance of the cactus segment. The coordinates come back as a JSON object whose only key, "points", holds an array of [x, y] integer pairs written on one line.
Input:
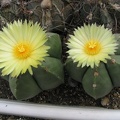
{"points": [[117, 37], [97, 83], [113, 68], [24, 87], [75, 72], [116, 59], [50, 74], [54, 42]]}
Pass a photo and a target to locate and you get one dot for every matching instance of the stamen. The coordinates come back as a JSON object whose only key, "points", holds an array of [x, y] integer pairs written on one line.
{"points": [[92, 47], [22, 50]]}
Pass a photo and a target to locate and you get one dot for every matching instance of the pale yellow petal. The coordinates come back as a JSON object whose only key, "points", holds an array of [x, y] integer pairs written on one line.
{"points": [[22, 47], [90, 45]]}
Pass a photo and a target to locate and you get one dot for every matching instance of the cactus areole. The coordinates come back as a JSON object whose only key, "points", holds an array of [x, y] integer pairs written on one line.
{"points": [[94, 59]]}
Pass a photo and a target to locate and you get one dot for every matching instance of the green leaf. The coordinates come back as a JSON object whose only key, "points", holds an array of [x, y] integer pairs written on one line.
{"points": [[114, 71], [50, 74], [24, 87], [75, 72], [97, 83], [54, 42]]}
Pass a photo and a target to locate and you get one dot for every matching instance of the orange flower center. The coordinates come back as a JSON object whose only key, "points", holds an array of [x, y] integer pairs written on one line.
{"points": [[22, 50], [92, 47]]}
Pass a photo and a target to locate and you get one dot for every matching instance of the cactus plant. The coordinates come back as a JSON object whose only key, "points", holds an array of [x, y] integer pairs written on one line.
{"points": [[45, 77], [56, 16], [98, 78], [24, 62]]}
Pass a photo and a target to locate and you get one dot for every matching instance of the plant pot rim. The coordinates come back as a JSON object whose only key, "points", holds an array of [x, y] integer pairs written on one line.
{"points": [[20, 108]]}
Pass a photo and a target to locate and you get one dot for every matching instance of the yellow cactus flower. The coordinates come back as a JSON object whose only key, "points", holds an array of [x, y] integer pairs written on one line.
{"points": [[21, 47], [91, 44]]}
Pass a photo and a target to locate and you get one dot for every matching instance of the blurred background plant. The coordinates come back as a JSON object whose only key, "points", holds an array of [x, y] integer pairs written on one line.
{"points": [[62, 15]]}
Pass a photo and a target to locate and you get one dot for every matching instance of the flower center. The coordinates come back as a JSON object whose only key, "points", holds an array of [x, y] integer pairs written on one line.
{"points": [[92, 47], [22, 50]]}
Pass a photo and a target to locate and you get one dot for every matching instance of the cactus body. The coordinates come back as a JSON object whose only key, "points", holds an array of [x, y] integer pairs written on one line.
{"points": [[113, 68], [98, 81], [75, 70], [47, 76], [24, 87], [55, 45]]}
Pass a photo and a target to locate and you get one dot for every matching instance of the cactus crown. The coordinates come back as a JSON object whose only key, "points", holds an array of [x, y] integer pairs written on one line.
{"points": [[22, 43], [90, 45]]}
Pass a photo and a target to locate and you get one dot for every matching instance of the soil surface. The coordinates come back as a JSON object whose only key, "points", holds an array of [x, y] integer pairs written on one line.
{"points": [[70, 93]]}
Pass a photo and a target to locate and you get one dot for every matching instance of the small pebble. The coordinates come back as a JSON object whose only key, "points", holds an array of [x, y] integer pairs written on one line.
{"points": [[105, 101], [115, 107], [115, 94]]}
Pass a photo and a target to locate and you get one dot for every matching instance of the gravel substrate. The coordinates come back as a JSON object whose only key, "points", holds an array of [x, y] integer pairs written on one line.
{"points": [[65, 94]]}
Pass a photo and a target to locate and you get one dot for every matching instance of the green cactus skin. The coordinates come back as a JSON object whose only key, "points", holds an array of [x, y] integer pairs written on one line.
{"points": [[113, 67], [50, 74], [24, 87], [108, 76], [97, 83], [47, 76], [75, 72], [95, 86], [54, 42]]}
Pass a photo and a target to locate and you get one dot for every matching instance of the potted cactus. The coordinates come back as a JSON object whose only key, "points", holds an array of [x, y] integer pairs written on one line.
{"points": [[61, 52], [89, 48], [29, 65]]}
